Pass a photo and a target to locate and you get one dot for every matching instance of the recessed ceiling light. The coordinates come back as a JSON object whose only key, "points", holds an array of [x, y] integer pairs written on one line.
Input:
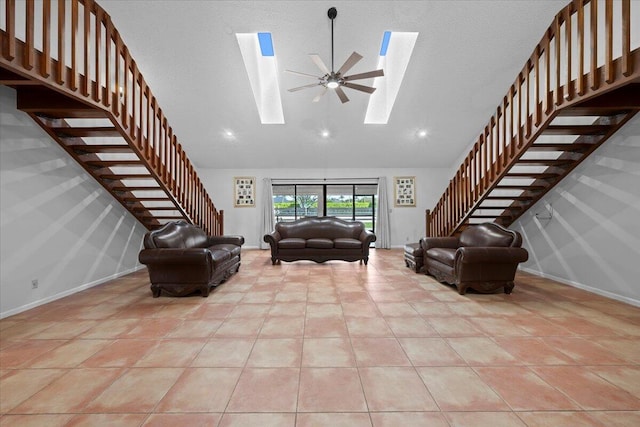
{"points": [[422, 133], [228, 134], [325, 134]]}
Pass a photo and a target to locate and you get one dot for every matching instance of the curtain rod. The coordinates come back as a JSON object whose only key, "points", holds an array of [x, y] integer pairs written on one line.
{"points": [[324, 179]]}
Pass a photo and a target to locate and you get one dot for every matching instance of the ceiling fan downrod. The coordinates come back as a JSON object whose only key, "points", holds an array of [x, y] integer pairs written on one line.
{"points": [[332, 13], [336, 80]]}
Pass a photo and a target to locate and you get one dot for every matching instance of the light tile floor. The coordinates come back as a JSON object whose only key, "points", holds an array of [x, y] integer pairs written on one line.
{"points": [[334, 344]]}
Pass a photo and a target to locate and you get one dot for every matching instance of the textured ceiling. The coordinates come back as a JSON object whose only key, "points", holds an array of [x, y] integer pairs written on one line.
{"points": [[467, 55]]}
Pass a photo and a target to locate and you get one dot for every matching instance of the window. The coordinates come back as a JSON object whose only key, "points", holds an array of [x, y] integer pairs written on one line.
{"points": [[356, 202]]}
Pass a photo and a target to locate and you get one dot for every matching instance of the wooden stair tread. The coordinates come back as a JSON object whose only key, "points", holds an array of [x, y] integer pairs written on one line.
{"points": [[575, 147], [161, 216], [114, 163], [576, 130], [146, 199], [532, 175], [489, 216], [151, 208], [98, 131], [100, 148], [521, 187], [544, 162], [119, 176], [499, 207], [509, 198], [70, 113], [135, 188]]}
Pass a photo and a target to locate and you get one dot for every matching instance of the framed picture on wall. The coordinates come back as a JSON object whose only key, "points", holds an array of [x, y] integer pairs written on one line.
{"points": [[244, 191], [404, 191]]}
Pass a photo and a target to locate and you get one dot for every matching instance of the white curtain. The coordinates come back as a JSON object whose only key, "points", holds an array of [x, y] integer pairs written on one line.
{"points": [[383, 229], [268, 219]]}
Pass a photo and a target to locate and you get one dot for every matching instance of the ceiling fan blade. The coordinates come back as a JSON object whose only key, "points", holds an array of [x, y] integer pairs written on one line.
{"points": [[350, 62], [318, 61], [320, 95], [361, 88], [295, 89], [343, 97], [368, 75], [302, 74]]}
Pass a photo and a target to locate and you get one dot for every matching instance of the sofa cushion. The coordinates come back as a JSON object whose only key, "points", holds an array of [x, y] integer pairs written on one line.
{"points": [[346, 243], [234, 250], [292, 243], [320, 243], [219, 256], [444, 255], [327, 227]]}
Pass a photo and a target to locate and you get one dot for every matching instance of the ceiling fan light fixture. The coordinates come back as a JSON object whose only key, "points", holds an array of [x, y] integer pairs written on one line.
{"points": [[336, 80]]}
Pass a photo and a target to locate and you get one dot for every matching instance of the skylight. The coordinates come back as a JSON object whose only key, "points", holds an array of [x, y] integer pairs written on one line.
{"points": [[260, 62], [395, 53]]}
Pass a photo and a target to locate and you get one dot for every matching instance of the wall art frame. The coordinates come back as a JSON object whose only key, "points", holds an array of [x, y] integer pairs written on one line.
{"points": [[244, 191], [404, 191]]}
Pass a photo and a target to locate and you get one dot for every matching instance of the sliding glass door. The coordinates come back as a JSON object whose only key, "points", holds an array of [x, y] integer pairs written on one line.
{"points": [[345, 201]]}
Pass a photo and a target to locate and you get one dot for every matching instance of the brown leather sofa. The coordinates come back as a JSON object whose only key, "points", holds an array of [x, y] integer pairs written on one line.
{"points": [[484, 258], [182, 259], [320, 239]]}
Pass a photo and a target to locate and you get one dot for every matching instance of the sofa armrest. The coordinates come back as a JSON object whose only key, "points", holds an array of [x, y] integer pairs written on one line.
{"points": [[272, 238], [367, 237], [438, 242], [193, 256], [228, 239], [491, 255]]}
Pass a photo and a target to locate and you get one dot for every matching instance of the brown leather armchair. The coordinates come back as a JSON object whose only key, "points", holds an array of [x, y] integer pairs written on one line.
{"points": [[182, 259], [484, 257]]}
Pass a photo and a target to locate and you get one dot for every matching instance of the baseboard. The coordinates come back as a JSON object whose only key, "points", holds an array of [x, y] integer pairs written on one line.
{"points": [[68, 292], [584, 287]]}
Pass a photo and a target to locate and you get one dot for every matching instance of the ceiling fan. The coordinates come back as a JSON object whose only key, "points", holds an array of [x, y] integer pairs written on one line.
{"points": [[336, 80]]}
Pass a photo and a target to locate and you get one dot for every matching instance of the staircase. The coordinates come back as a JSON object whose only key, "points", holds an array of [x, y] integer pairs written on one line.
{"points": [[564, 104], [98, 107]]}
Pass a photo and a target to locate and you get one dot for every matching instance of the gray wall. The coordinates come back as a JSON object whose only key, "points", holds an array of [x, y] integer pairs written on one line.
{"points": [[592, 240], [58, 225], [407, 223]]}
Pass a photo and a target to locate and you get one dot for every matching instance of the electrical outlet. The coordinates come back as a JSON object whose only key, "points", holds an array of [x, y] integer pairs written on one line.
{"points": [[34, 284]]}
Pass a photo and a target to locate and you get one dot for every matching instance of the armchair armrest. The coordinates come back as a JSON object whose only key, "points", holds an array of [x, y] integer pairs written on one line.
{"points": [[228, 239], [491, 255], [194, 256], [438, 242], [272, 238], [366, 237]]}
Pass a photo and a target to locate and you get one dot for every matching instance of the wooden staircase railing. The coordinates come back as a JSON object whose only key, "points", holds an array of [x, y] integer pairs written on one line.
{"points": [[564, 76], [68, 62]]}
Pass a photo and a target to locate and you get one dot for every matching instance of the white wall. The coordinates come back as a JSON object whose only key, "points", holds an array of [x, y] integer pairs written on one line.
{"points": [[592, 240], [58, 225], [407, 223]]}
